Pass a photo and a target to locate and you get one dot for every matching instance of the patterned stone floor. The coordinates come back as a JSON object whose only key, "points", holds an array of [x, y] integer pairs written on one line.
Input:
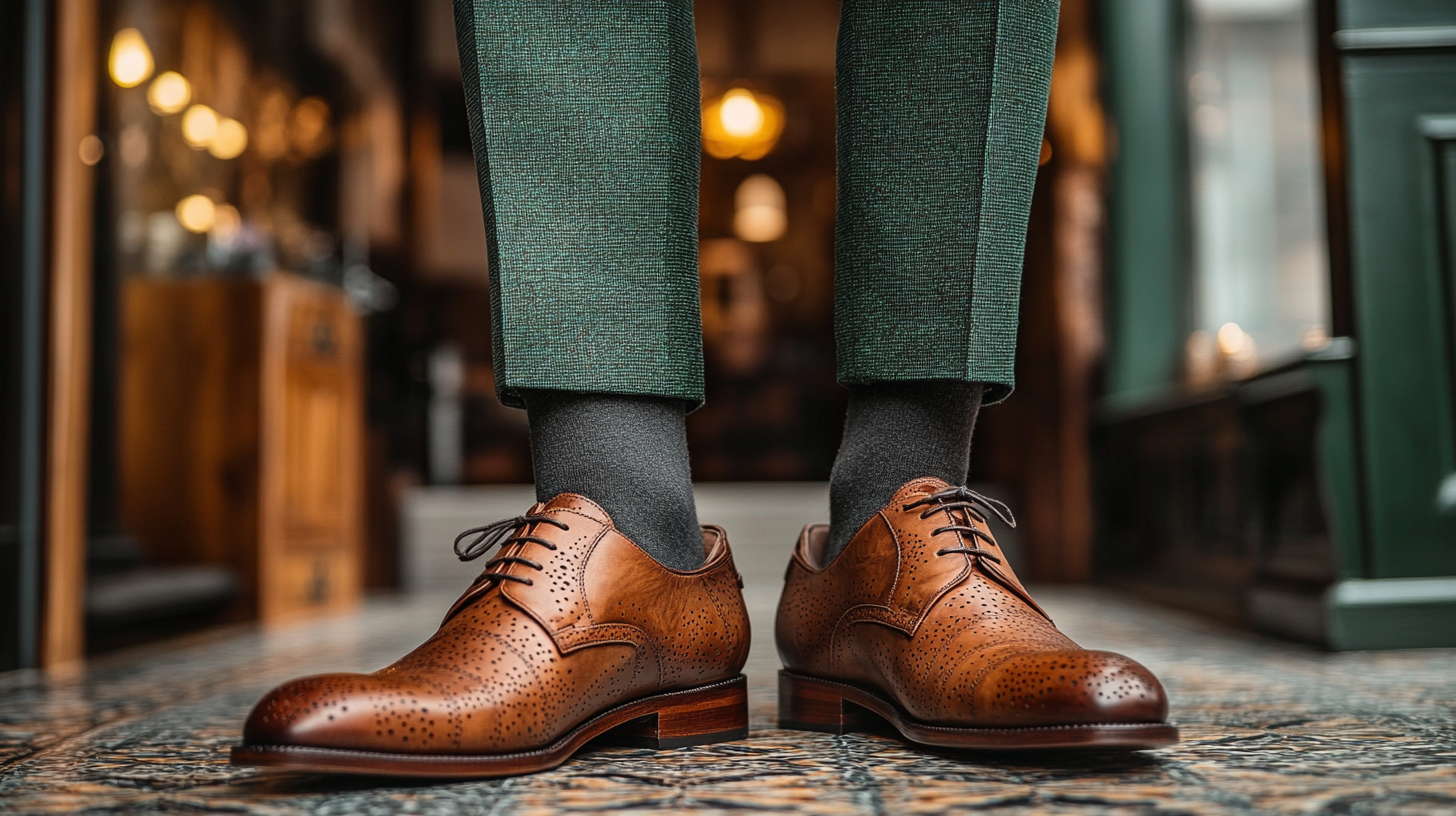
{"points": [[1268, 728]]}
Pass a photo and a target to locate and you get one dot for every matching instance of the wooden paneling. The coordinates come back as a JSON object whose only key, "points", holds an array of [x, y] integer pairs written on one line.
{"points": [[312, 441], [74, 115], [242, 428], [190, 414]]}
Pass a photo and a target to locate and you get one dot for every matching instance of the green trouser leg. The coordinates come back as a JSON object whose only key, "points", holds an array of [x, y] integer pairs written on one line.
{"points": [[585, 123], [585, 119], [941, 105]]}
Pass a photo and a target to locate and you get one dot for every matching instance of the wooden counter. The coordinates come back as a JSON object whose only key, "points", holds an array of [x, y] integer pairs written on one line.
{"points": [[242, 431]]}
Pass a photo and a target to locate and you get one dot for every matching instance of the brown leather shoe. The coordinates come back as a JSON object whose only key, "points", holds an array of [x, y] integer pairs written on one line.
{"points": [[921, 621], [570, 633]]}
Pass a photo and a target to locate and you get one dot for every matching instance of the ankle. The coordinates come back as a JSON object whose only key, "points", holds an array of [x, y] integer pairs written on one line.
{"points": [[895, 432], [629, 455]]}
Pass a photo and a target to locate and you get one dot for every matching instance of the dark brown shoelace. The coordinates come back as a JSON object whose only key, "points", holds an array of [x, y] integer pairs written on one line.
{"points": [[495, 533], [973, 504]]}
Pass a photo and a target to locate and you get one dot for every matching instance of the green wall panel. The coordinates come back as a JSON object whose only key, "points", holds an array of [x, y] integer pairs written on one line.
{"points": [[1339, 461], [1402, 297], [1147, 320], [1395, 13]]}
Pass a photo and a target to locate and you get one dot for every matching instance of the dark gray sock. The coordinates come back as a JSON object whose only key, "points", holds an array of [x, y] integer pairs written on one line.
{"points": [[627, 453], [896, 432]]}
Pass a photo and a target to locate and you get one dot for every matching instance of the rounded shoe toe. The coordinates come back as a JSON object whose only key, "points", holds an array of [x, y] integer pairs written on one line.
{"points": [[320, 711], [1068, 687]]}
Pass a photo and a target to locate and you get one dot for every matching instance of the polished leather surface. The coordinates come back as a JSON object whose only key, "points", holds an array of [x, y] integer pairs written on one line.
{"points": [[516, 665], [954, 639]]}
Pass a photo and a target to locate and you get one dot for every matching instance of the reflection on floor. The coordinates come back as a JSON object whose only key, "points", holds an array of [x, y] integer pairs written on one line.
{"points": [[1268, 728]]}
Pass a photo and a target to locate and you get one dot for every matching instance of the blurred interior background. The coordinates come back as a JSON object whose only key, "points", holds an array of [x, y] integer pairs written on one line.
{"points": [[245, 317]]}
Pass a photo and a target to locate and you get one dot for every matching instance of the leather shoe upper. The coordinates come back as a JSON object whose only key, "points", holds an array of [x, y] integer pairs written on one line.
{"points": [[922, 605], [571, 618]]}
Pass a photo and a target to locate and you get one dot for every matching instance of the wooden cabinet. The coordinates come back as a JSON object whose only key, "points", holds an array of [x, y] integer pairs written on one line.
{"points": [[242, 426]]}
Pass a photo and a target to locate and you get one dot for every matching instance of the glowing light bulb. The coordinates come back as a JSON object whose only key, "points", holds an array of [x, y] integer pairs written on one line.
{"points": [[169, 93], [760, 209], [741, 124], [740, 113], [196, 213], [230, 140], [1231, 339], [199, 126], [131, 60]]}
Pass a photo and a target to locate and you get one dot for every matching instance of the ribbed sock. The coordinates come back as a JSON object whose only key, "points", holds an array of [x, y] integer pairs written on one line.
{"points": [[896, 432], [628, 454]]}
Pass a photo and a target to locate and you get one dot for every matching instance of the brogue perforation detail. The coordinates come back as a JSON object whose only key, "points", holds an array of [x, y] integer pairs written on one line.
{"points": [[517, 664], [979, 653]]}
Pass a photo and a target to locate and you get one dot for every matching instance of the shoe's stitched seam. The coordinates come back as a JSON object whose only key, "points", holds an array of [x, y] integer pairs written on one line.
{"points": [[834, 633], [845, 621], [579, 585], [899, 552], [914, 621]]}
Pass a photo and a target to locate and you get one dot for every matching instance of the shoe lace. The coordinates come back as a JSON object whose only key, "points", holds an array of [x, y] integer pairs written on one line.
{"points": [[495, 533], [976, 506]]}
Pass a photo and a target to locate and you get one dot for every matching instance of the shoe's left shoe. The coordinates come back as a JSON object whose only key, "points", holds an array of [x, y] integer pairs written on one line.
{"points": [[571, 633], [921, 621]]}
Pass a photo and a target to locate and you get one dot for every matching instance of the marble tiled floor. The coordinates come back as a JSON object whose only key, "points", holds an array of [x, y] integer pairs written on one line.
{"points": [[1268, 728]]}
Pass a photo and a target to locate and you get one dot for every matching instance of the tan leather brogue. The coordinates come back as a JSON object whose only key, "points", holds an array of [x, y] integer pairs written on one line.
{"points": [[571, 632], [921, 621]]}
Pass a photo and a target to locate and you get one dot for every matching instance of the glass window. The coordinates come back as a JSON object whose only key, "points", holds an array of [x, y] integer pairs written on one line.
{"points": [[1260, 287]]}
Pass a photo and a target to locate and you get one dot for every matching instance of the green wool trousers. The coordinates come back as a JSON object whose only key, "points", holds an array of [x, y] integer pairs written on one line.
{"points": [[585, 121]]}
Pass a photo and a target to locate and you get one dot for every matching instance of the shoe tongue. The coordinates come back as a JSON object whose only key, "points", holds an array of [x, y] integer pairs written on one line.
{"points": [[576, 503], [923, 486]]}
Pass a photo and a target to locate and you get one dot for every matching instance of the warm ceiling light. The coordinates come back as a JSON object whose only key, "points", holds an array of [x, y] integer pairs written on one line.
{"points": [[199, 126], [742, 124], [759, 209], [740, 113], [169, 93], [196, 213], [131, 59], [1230, 338], [230, 140]]}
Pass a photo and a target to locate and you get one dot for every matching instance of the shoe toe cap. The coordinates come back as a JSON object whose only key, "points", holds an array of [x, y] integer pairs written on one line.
{"points": [[340, 711], [1069, 687]]}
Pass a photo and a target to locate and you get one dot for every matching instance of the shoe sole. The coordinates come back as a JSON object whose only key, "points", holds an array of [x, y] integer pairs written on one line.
{"points": [[814, 704], [717, 712]]}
